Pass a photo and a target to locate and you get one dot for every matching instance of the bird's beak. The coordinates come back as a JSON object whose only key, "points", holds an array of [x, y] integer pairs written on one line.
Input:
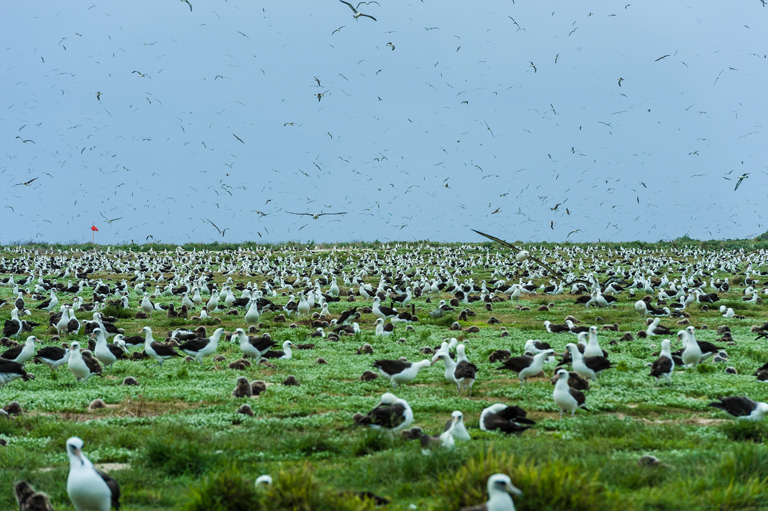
{"points": [[79, 454], [513, 490]]}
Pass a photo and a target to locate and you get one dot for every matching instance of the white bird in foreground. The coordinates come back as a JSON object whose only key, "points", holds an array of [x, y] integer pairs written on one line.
{"points": [[88, 488], [500, 491]]}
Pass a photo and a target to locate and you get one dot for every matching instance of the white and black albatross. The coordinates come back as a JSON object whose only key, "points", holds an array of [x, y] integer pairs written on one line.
{"points": [[507, 419], [566, 398], [89, 489], [21, 353], [52, 356], [253, 346], [664, 365], [587, 367], [742, 408], [153, 349], [391, 414], [199, 348], [10, 371], [525, 366], [399, 372], [80, 366]]}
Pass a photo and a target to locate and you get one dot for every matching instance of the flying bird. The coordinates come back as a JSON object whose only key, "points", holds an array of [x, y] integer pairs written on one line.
{"points": [[189, 4], [142, 75], [33, 179], [620, 80], [214, 226], [316, 215], [98, 96], [25, 141], [658, 59], [357, 13], [741, 178], [108, 220], [573, 232], [335, 32], [240, 139]]}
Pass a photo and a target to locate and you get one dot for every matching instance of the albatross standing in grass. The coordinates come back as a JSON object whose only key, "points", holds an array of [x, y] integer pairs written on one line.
{"points": [[88, 488], [155, 350], [500, 491]]}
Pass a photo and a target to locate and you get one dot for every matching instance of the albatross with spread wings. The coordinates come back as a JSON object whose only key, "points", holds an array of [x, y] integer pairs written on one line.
{"points": [[316, 215]]}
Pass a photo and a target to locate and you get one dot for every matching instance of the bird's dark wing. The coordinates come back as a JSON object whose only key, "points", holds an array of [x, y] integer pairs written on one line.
{"points": [[579, 397], [12, 353], [465, 370], [736, 406], [261, 343], [344, 213], [662, 365], [51, 353], [113, 487], [598, 363], [496, 422], [368, 16], [93, 365], [350, 6], [517, 364], [387, 416], [307, 214], [497, 240], [194, 345], [391, 366], [163, 350]]}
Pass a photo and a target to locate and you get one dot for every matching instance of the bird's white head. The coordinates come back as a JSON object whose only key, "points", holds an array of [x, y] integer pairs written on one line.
{"points": [[75, 448], [388, 398], [502, 483], [265, 480]]}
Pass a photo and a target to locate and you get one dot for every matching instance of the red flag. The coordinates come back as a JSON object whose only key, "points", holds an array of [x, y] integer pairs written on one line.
{"points": [[94, 228]]}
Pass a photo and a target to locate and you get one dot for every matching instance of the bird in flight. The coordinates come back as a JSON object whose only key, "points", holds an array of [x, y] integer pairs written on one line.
{"points": [[620, 80], [741, 178], [141, 75], [337, 31], [573, 232], [316, 215], [30, 182], [98, 96], [190, 9], [240, 139], [220, 231], [108, 220], [358, 13], [658, 59], [25, 141]]}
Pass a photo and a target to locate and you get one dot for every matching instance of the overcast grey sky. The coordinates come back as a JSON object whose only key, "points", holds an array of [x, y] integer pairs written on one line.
{"points": [[450, 127]]}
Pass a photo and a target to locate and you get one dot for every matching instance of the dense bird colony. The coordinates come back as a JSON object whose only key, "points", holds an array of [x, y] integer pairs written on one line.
{"points": [[571, 377]]}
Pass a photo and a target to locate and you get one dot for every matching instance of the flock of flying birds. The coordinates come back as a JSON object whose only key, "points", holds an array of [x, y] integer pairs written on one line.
{"points": [[379, 179]]}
